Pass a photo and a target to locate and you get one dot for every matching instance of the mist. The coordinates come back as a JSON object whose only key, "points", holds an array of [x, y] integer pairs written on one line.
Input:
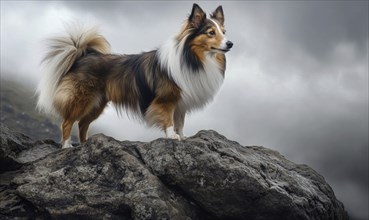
{"points": [[296, 78]]}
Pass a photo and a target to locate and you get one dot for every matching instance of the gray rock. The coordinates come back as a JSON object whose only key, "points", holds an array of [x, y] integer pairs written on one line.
{"points": [[230, 181], [101, 180], [12, 143], [203, 177], [17, 149]]}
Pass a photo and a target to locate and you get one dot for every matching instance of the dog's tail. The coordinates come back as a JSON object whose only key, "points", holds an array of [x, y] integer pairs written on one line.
{"points": [[62, 54]]}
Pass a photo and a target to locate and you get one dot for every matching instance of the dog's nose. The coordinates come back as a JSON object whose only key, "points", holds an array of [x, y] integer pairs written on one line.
{"points": [[229, 44]]}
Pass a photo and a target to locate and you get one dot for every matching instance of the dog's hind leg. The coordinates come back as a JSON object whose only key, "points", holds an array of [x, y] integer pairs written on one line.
{"points": [[85, 122], [66, 132], [76, 99]]}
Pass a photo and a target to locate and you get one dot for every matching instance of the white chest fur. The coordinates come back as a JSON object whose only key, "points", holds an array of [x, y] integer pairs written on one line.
{"points": [[198, 88]]}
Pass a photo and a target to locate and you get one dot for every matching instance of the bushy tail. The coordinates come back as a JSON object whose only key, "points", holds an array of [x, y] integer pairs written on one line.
{"points": [[63, 52]]}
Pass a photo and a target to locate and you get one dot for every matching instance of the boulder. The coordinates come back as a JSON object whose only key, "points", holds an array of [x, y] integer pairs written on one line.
{"points": [[17, 149], [103, 179], [231, 181], [206, 176]]}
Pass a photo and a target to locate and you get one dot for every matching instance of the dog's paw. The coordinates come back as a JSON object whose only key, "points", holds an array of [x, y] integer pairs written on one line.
{"points": [[182, 136], [67, 145], [171, 134], [174, 137]]}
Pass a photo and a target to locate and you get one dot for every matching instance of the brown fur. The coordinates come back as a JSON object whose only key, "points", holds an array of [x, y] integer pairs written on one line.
{"points": [[88, 77], [161, 111], [79, 98], [222, 61], [83, 94]]}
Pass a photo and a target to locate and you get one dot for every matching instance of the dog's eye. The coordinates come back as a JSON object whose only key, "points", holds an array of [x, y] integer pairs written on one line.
{"points": [[212, 33], [224, 32]]}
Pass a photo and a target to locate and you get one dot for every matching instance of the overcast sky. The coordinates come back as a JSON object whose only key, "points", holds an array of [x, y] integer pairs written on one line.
{"points": [[296, 80]]}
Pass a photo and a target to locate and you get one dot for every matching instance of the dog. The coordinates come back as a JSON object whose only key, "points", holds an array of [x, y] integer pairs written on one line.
{"points": [[159, 86]]}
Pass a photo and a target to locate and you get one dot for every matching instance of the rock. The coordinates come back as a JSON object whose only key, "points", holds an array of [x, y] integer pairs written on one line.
{"points": [[12, 143], [102, 180], [18, 149], [230, 181], [12, 206], [203, 177]]}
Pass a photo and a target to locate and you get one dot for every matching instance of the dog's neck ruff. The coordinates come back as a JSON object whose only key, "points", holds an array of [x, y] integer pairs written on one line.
{"points": [[198, 87]]}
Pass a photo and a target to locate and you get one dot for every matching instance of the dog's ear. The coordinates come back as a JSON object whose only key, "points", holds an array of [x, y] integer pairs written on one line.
{"points": [[218, 15], [197, 16]]}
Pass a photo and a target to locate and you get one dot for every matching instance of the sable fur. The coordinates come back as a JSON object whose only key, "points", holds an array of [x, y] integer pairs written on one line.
{"points": [[159, 86]]}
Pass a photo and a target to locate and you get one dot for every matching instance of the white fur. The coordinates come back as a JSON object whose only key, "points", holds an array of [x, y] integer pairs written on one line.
{"points": [[63, 51], [47, 87], [171, 134], [197, 88], [67, 144], [181, 134]]}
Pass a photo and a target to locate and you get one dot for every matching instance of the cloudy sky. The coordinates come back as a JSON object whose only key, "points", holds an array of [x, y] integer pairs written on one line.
{"points": [[296, 80]]}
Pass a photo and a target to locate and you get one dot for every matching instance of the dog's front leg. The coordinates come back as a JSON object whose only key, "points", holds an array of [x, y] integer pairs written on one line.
{"points": [[179, 117], [161, 113]]}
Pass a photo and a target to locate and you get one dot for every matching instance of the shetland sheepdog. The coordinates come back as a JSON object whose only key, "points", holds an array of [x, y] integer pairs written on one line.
{"points": [[159, 86]]}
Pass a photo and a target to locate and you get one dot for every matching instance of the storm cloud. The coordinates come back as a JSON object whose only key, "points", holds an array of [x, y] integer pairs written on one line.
{"points": [[296, 79]]}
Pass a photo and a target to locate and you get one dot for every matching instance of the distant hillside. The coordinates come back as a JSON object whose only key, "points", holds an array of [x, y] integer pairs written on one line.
{"points": [[17, 111]]}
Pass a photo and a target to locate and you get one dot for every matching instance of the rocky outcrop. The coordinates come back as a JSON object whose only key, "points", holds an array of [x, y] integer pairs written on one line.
{"points": [[17, 149], [204, 177]]}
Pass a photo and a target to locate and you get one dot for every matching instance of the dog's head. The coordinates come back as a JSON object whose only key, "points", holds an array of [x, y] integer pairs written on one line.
{"points": [[207, 34]]}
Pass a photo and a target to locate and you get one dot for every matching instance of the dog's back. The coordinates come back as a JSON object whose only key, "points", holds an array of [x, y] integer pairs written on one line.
{"points": [[159, 86]]}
